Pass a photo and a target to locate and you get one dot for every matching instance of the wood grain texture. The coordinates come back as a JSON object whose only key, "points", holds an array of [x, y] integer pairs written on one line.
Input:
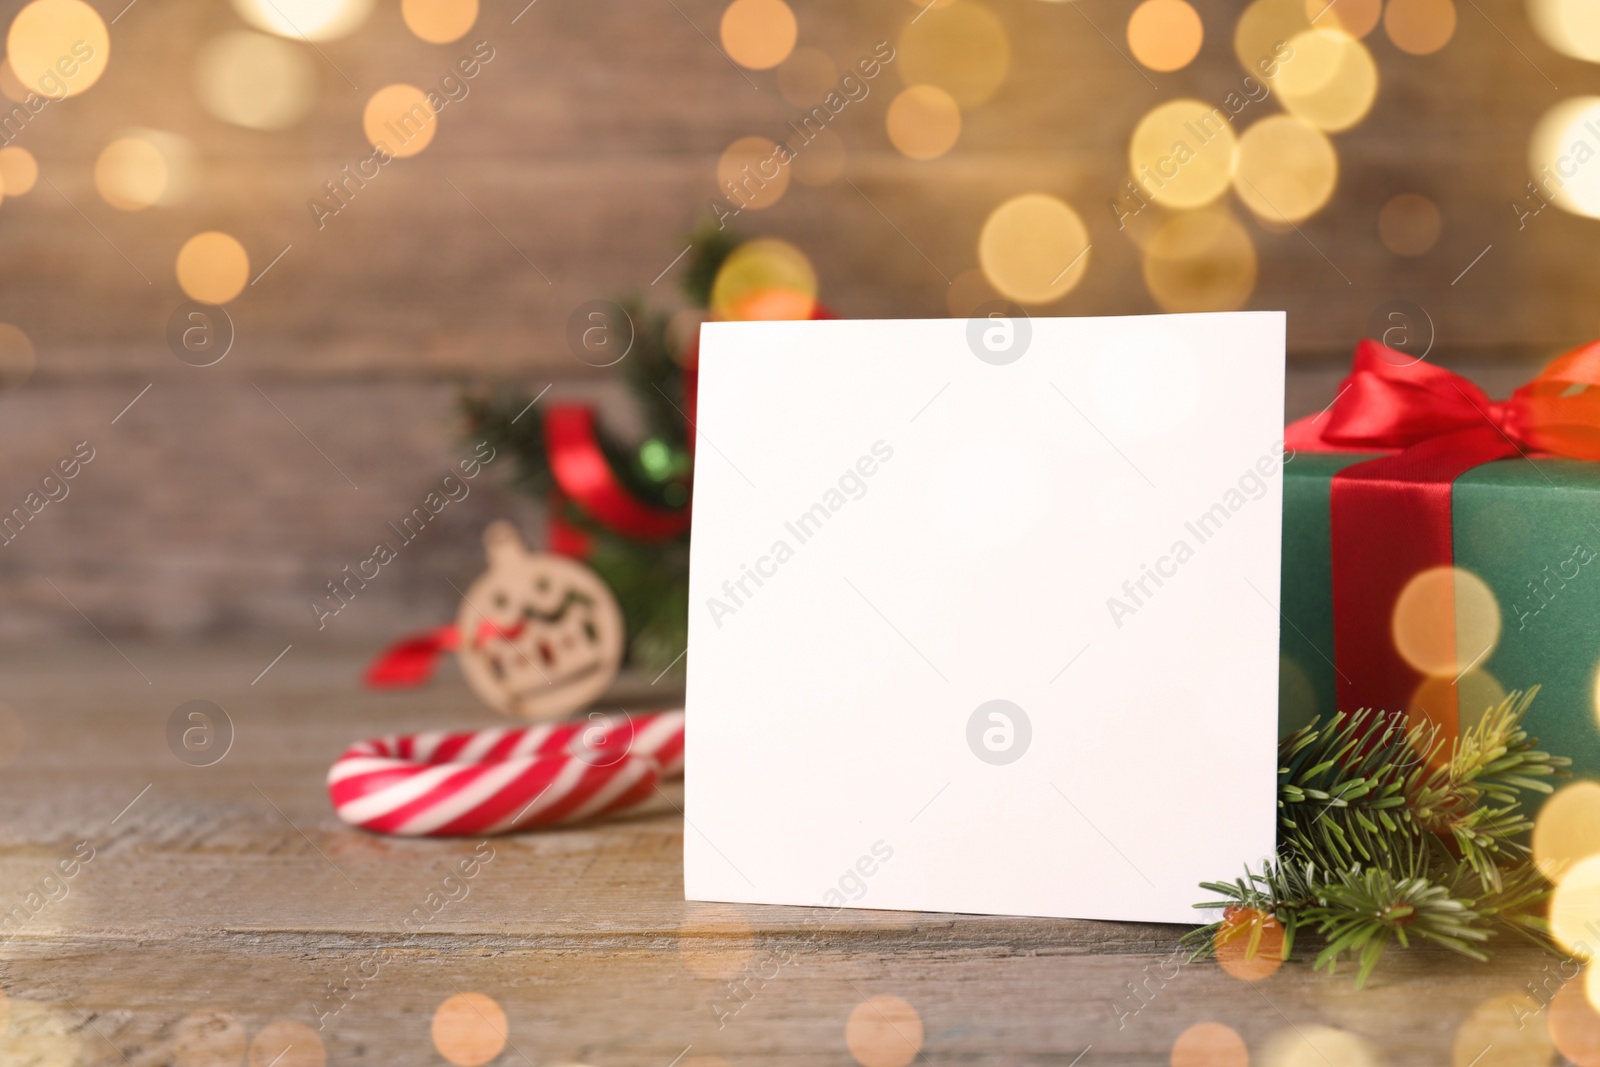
{"points": [[232, 889]]}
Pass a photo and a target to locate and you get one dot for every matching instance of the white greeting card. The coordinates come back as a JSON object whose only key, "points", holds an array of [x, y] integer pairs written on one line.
{"points": [[983, 613]]}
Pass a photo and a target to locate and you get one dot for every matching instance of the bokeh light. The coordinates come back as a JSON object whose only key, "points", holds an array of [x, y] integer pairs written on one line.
{"points": [[1182, 153], [963, 49], [1034, 249], [17, 357], [1232, 945], [1575, 908], [1567, 828], [1165, 35], [819, 160], [1574, 1025], [1263, 32], [58, 48], [924, 122], [208, 1039], [213, 267], [759, 34], [1409, 224], [1209, 1045], [470, 1029], [1496, 1034], [18, 171], [439, 21], [253, 80], [1200, 261], [883, 1031], [309, 20], [285, 1043], [1317, 1046], [1355, 17], [763, 279], [1445, 620], [1455, 704], [808, 75], [399, 120], [1331, 82], [1557, 162], [1286, 169], [1571, 27], [1420, 27], [751, 173], [131, 173]]}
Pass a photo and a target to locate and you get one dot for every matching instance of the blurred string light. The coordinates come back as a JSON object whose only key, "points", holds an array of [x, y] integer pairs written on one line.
{"points": [[1332, 80], [751, 173], [1571, 27], [1034, 249], [1200, 261], [764, 279], [924, 122], [1561, 153], [1182, 153], [470, 1029], [1409, 224], [58, 48], [1264, 25], [1287, 169], [213, 267], [1575, 909], [808, 75], [143, 168], [1420, 27], [1497, 1033], [18, 171], [1567, 828], [1574, 1025], [256, 81], [17, 358], [1165, 35], [439, 21], [1209, 1044], [758, 34], [1445, 620], [399, 120], [1317, 1046], [1355, 17], [307, 20], [1464, 701], [963, 49]]}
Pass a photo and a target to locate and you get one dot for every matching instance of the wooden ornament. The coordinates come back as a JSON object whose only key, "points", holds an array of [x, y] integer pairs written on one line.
{"points": [[540, 635]]}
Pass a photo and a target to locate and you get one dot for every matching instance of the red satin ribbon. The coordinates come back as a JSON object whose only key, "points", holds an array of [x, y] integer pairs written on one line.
{"points": [[1391, 516], [585, 477]]}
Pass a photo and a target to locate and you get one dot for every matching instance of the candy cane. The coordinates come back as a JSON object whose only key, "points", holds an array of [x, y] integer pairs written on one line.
{"points": [[494, 781]]}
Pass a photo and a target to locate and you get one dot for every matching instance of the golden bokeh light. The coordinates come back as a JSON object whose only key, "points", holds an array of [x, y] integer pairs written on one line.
{"points": [[1034, 249], [759, 34], [1571, 27], [131, 174], [1182, 153], [1558, 155], [924, 122], [1574, 1025], [18, 171], [762, 279], [58, 48], [808, 75], [1567, 828], [10, 85], [1332, 81], [17, 357], [255, 81], [1287, 169], [1409, 224], [470, 1029], [1420, 27], [1261, 37], [1165, 35], [1446, 619], [1317, 1046], [1233, 941], [1455, 704], [306, 20], [285, 1043], [1209, 1045], [439, 21], [883, 1031], [963, 49], [819, 160], [399, 120], [208, 1039], [1355, 17], [1200, 261], [715, 940], [752, 173], [1496, 1034], [213, 267], [1575, 908]]}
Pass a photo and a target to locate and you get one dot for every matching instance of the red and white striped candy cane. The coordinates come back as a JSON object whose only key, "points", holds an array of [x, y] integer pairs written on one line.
{"points": [[493, 781]]}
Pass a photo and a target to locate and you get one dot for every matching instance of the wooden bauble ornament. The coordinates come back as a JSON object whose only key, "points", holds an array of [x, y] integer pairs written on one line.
{"points": [[540, 635]]}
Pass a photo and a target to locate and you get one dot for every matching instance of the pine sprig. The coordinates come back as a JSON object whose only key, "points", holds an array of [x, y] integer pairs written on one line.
{"points": [[1388, 834]]}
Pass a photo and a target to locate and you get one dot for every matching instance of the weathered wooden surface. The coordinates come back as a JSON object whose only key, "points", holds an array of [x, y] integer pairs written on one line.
{"points": [[232, 889]]}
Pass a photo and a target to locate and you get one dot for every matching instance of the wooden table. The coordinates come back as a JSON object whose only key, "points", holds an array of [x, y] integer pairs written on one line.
{"points": [[226, 907]]}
